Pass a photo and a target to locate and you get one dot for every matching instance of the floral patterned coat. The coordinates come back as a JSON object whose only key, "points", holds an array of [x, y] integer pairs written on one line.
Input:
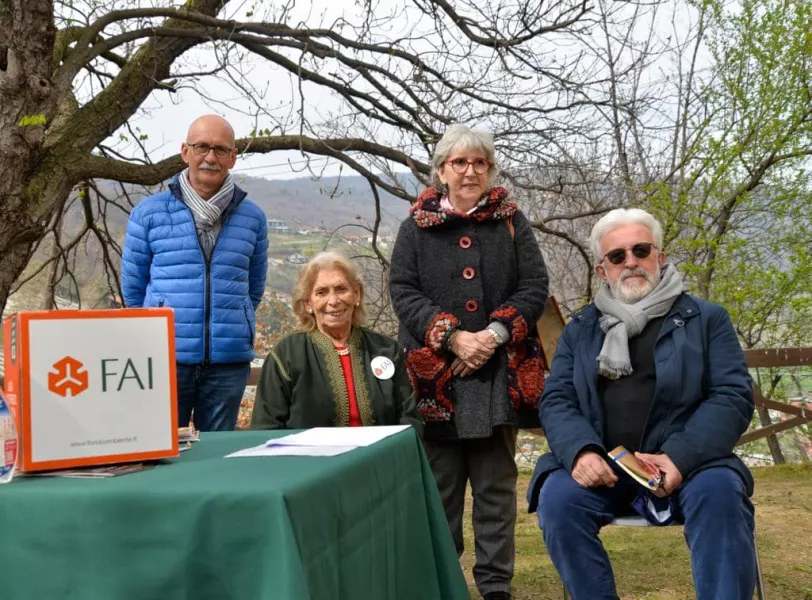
{"points": [[454, 270]]}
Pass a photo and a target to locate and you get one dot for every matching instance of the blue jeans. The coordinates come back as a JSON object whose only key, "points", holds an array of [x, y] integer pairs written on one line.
{"points": [[713, 505], [213, 392]]}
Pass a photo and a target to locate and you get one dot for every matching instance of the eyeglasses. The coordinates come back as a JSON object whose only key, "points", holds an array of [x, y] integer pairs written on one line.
{"points": [[460, 165], [618, 255], [204, 149]]}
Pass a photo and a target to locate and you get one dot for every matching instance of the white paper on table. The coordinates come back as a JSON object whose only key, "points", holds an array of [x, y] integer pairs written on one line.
{"points": [[264, 450], [354, 437]]}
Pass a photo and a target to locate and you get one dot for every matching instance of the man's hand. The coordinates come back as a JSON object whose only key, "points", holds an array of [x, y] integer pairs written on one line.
{"points": [[471, 348], [672, 478], [591, 470]]}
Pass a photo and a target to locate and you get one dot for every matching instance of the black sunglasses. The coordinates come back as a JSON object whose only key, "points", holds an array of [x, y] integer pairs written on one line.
{"points": [[618, 255]]}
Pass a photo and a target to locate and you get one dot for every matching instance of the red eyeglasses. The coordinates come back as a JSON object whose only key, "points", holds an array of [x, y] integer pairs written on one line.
{"points": [[460, 165]]}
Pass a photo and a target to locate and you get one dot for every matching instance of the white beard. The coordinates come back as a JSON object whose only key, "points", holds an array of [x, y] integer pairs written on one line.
{"points": [[631, 295]]}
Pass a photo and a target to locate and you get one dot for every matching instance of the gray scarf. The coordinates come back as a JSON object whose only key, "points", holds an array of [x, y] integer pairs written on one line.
{"points": [[207, 213], [623, 321]]}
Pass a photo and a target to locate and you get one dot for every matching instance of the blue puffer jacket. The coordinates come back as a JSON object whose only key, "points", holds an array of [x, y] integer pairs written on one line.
{"points": [[214, 301], [703, 398]]}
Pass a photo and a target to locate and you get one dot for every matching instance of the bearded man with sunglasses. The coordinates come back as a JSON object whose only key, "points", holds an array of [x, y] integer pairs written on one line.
{"points": [[201, 248], [660, 372]]}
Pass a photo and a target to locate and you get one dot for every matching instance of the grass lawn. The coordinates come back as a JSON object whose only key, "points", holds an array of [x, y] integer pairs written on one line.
{"points": [[654, 564]]}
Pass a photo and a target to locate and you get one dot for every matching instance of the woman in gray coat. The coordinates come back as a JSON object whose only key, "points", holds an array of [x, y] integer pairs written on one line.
{"points": [[468, 283]]}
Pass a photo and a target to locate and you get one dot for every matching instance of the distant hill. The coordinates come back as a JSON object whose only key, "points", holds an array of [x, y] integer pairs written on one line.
{"points": [[329, 202], [304, 202]]}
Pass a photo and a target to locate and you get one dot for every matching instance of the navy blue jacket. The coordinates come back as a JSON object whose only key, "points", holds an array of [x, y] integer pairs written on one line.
{"points": [[703, 399], [214, 301]]}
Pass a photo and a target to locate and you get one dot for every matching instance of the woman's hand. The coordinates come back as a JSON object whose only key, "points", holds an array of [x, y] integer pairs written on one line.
{"points": [[473, 349], [460, 368], [487, 338]]}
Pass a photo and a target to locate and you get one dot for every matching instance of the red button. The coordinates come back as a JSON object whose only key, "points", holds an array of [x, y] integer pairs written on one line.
{"points": [[465, 242], [468, 273], [471, 306]]}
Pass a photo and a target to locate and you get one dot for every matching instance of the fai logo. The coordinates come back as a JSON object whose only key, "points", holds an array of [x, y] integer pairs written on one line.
{"points": [[68, 378]]}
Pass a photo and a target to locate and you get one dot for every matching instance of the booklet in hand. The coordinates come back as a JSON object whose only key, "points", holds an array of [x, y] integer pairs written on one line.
{"points": [[642, 471]]}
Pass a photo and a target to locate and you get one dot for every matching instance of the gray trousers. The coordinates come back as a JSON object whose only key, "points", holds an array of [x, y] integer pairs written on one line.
{"points": [[490, 465]]}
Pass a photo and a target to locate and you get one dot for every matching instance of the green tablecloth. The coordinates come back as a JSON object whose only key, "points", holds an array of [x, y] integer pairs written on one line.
{"points": [[366, 525]]}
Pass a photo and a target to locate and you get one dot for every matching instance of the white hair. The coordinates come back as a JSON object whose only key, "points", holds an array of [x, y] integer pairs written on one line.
{"points": [[461, 137], [623, 216]]}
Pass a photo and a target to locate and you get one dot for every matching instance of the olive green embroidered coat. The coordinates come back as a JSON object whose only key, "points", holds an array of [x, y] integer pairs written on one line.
{"points": [[302, 384]]}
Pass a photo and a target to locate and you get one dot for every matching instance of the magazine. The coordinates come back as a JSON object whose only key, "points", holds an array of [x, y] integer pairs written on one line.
{"points": [[188, 434], [186, 437], [642, 471], [94, 472]]}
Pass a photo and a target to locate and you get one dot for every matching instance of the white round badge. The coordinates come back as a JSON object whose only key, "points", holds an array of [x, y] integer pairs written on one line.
{"points": [[382, 367]]}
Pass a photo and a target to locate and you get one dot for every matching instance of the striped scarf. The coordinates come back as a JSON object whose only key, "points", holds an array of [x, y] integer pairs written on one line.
{"points": [[207, 213]]}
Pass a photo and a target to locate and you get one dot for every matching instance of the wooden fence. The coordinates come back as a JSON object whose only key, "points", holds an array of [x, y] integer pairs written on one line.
{"points": [[772, 358]]}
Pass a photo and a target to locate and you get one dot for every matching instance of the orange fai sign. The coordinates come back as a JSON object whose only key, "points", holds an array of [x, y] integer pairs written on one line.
{"points": [[69, 377]]}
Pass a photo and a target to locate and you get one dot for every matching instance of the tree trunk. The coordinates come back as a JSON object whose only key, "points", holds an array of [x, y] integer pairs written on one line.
{"points": [[772, 440], [27, 96], [49, 302]]}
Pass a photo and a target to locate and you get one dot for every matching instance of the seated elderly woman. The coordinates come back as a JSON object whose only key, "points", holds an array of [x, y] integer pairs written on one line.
{"points": [[333, 371]]}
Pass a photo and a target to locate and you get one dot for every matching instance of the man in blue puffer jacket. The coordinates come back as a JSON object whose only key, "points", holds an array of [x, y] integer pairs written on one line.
{"points": [[661, 373], [201, 248]]}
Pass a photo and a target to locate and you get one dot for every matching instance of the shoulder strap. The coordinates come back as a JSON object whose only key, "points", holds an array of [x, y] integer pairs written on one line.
{"points": [[551, 319]]}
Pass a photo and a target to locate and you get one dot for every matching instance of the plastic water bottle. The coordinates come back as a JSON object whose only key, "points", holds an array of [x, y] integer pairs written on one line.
{"points": [[8, 443]]}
